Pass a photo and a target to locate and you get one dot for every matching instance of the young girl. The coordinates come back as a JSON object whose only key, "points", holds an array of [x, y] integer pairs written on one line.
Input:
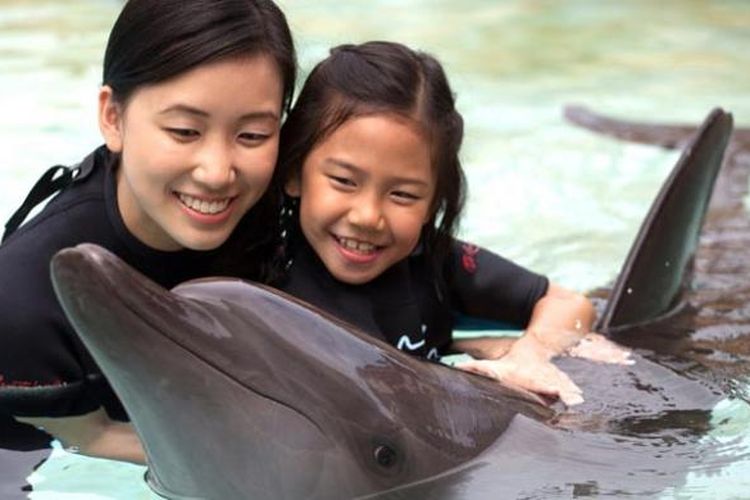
{"points": [[190, 109], [369, 161]]}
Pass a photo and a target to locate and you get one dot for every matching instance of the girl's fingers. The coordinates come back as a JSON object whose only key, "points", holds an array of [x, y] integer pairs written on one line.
{"points": [[478, 368], [598, 348], [543, 379]]}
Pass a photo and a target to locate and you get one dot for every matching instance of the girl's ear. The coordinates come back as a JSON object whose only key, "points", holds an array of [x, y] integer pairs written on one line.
{"points": [[292, 186], [110, 119]]}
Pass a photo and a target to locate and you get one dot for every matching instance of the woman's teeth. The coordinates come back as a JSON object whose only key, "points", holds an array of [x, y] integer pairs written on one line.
{"points": [[203, 206], [359, 246]]}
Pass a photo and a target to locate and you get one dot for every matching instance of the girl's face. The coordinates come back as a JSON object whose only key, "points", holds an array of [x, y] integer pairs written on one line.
{"points": [[198, 151], [365, 193]]}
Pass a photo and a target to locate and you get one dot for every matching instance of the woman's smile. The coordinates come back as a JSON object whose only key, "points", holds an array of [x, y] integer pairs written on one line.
{"points": [[198, 151], [206, 210]]}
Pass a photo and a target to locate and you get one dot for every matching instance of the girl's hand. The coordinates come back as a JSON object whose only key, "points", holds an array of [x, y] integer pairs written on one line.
{"points": [[596, 347], [527, 366]]}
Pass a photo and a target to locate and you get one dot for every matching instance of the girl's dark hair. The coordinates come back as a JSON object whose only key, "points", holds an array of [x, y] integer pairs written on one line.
{"points": [[383, 77], [154, 40]]}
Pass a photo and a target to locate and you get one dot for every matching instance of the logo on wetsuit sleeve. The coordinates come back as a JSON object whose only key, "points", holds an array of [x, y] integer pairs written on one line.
{"points": [[469, 257]]}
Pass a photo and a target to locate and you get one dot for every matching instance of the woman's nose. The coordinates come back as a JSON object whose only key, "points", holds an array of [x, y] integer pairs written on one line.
{"points": [[215, 169]]}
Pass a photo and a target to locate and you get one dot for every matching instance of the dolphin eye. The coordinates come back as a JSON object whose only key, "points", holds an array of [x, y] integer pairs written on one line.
{"points": [[385, 456]]}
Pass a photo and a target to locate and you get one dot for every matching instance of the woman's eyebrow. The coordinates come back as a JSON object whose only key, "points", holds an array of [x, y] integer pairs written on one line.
{"points": [[192, 110], [184, 108]]}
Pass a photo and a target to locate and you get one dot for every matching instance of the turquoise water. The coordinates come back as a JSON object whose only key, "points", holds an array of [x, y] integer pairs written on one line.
{"points": [[551, 196]]}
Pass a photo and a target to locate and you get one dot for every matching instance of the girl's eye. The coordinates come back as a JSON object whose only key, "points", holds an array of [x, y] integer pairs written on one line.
{"points": [[405, 197], [183, 134], [342, 182]]}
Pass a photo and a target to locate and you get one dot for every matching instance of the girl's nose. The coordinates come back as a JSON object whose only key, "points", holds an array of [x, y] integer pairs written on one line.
{"points": [[367, 213], [215, 169]]}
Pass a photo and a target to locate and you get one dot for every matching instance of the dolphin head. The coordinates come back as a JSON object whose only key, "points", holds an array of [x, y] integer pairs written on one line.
{"points": [[239, 391]]}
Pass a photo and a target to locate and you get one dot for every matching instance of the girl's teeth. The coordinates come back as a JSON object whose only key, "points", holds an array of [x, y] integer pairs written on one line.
{"points": [[203, 206], [356, 245]]}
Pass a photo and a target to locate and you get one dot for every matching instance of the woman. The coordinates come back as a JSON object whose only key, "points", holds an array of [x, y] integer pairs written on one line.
{"points": [[190, 108]]}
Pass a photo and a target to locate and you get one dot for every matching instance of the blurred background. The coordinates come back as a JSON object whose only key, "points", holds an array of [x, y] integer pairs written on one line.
{"points": [[556, 198]]}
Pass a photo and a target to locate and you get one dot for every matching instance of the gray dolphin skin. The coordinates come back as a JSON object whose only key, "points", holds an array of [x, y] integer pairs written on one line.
{"points": [[239, 391]]}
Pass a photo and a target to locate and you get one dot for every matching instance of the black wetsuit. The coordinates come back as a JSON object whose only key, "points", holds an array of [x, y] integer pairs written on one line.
{"points": [[44, 368], [405, 306]]}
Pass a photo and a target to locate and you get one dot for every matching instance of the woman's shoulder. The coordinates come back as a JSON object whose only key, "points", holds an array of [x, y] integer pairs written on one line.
{"points": [[74, 214]]}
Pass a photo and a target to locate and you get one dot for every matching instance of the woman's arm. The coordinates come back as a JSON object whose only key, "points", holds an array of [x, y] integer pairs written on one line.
{"points": [[94, 435]]}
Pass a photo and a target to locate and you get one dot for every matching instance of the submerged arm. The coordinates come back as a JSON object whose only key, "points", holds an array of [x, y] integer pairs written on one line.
{"points": [[94, 435]]}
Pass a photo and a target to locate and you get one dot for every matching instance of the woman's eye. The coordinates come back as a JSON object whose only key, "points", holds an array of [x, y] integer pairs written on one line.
{"points": [[253, 137], [183, 133]]}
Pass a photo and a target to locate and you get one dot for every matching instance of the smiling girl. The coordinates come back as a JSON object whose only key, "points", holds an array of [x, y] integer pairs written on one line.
{"points": [[369, 162], [190, 109]]}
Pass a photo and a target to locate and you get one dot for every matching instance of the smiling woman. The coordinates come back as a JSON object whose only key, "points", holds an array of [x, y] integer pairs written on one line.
{"points": [[198, 151], [190, 108]]}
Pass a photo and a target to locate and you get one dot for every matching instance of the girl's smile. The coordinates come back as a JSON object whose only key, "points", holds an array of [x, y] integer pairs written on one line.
{"points": [[357, 251]]}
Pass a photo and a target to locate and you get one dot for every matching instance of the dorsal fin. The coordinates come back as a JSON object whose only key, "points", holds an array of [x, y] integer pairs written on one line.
{"points": [[658, 265]]}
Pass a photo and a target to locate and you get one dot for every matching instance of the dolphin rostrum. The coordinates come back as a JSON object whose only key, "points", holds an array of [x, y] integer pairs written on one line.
{"points": [[239, 391]]}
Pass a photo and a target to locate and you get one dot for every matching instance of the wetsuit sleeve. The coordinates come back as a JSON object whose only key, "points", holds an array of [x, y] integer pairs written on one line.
{"points": [[39, 370], [44, 368], [484, 285]]}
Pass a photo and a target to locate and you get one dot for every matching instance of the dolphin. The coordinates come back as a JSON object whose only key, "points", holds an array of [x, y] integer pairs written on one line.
{"points": [[240, 391], [283, 401]]}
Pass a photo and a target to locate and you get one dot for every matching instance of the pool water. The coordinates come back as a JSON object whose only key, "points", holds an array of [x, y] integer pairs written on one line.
{"points": [[556, 198]]}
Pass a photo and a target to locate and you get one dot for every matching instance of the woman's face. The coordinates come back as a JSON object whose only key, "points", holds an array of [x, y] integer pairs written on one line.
{"points": [[198, 151]]}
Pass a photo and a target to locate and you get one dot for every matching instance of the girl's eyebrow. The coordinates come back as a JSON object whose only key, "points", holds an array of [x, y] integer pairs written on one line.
{"points": [[356, 170], [191, 110]]}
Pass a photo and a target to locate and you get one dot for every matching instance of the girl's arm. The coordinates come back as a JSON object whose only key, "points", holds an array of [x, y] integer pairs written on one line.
{"points": [[551, 325], [485, 285], [559, 321], [94, 435]]}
